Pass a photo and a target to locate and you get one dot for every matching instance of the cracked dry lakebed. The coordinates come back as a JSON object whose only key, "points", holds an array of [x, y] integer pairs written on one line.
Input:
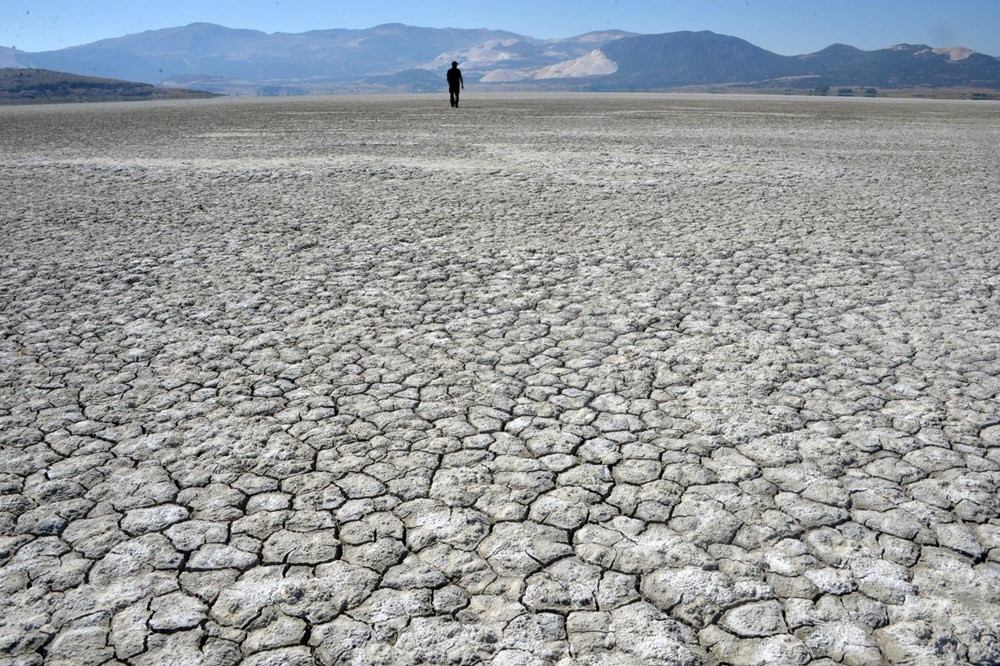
{"points": [[575, 380]]}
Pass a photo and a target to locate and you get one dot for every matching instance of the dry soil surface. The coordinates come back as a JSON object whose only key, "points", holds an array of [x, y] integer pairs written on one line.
{"points": [[560, 380]]}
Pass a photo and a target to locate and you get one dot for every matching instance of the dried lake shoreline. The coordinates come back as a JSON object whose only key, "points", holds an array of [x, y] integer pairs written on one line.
{"points": [[559, 379]]}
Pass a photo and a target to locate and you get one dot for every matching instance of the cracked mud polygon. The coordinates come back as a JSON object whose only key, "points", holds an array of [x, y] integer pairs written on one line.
{"points": [[557, 380]]}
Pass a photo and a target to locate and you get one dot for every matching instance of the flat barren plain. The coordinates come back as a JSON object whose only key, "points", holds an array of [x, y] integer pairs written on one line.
{"points": [[576, 380]]}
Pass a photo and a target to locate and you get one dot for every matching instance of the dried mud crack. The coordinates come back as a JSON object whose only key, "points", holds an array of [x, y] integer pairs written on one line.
{"points": [[568, 380]]}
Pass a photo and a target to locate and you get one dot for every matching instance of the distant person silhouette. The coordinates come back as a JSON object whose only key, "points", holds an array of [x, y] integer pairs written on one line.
{"points": [[455, 83]]}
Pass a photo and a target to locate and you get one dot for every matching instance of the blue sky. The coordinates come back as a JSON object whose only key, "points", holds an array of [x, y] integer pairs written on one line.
{"points": [[785, 26]]}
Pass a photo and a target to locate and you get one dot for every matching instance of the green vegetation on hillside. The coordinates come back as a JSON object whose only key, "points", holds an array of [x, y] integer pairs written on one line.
{"points": [[37, 86]]}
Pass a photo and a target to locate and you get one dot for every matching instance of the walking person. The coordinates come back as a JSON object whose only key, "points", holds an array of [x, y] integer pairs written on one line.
{"points": [[455, 83]]}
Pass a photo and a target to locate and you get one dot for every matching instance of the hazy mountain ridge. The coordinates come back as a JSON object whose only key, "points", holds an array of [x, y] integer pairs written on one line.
{"points": [[902, 65], [688, 58], [702, 58], [336, 55], [401, 57]]}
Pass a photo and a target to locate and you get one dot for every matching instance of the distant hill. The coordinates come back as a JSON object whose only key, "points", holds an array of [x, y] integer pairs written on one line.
{"points": [[902, 66], [688, 58], [701, 58], [27, 86], [401, 58]]}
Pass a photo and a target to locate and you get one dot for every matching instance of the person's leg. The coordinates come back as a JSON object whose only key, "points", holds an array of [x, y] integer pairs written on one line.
{"points": [[453, 97], [456, 98]]}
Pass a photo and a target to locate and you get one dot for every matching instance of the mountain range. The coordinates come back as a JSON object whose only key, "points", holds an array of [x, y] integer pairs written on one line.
{"points": [[407, 58]]}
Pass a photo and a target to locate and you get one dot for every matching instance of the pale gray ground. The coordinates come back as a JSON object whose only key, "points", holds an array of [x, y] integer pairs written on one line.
{"points": [[575, 380]]}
